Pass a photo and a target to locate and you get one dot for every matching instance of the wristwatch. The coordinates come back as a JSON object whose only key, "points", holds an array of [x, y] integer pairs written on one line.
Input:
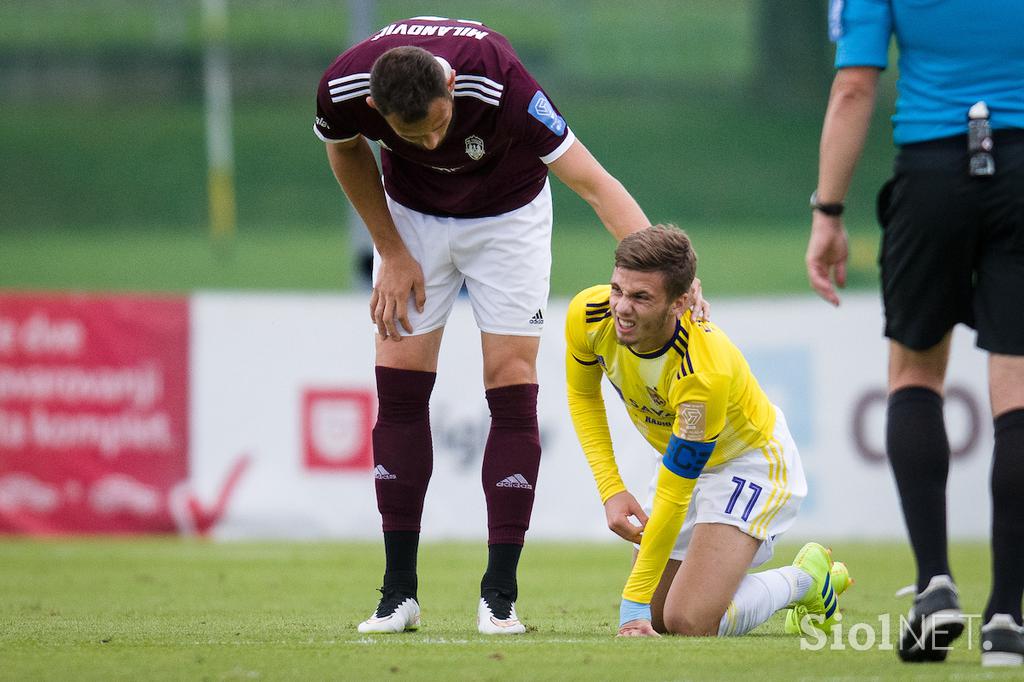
{"points": [[835, 209]]}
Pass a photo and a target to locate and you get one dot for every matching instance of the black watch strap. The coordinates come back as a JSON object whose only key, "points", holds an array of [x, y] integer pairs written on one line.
{"points": [[834, 209]]}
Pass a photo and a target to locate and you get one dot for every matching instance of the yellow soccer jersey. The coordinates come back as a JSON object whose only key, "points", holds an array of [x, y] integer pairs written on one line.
{"points": [[697, 387]]}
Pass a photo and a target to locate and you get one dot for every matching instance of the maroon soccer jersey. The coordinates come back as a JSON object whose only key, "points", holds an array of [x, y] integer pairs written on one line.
{"points": [[504, 128]]}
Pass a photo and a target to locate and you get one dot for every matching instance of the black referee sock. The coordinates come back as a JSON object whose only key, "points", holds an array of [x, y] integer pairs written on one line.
{"points": [[915, 439], [1007, 516], [502, 564], [400, 550]]}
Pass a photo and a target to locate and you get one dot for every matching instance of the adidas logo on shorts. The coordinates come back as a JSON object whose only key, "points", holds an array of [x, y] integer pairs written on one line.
{"points": [[538, 318], [382, 473], [515, 481]]}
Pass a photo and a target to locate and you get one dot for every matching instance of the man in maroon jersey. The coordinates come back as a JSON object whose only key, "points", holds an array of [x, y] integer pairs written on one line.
{"points": [[466, 139]]}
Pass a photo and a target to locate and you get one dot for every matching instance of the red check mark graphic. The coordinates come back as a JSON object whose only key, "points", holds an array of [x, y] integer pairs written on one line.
{"points": [[205, 518]]}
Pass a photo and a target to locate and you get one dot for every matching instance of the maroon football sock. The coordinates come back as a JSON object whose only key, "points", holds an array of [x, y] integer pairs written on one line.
{"points": [[511, 461], [402, 451]]}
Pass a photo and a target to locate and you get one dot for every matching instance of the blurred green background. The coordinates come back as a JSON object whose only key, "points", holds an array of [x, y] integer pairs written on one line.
{"points": [[708, 112]]}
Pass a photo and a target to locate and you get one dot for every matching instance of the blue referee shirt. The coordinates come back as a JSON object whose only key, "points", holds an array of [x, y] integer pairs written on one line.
{"points": [[953, 53]]}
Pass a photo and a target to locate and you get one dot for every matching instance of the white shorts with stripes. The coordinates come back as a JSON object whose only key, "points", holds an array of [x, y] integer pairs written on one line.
{"points": [[504, 260], [759, 492]]}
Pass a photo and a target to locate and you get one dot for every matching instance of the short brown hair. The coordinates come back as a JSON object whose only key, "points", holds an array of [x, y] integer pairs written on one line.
{"points": [[404, 81], [660, 248]]}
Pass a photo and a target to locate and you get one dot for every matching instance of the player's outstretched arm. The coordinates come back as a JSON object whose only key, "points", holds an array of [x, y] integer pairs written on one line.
{"points": [[616, 208], [843, 134], [400, 275]]}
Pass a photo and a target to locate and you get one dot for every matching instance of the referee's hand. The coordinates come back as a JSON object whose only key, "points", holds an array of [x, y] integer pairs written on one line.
{"points": [[827, 251]]}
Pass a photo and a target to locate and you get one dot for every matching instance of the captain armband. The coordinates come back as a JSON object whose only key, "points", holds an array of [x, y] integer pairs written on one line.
{"points": [[686, 458]]}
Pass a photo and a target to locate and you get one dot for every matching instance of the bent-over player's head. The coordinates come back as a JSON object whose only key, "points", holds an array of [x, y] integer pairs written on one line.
{"points": [[405, 81], [660, 248]]}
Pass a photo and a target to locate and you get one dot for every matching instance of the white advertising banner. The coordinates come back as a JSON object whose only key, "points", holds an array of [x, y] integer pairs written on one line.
{"points": [[283, 405]]}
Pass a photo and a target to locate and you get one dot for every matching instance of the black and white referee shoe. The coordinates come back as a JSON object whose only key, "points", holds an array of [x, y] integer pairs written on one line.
{"points": [[396, 612], [933, 623], [496, 615], [1002, 641]]}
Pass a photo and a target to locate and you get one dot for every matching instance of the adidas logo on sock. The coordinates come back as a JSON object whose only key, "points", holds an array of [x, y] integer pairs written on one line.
{"points": [[382, 473], [515, 481], [537, 318]]}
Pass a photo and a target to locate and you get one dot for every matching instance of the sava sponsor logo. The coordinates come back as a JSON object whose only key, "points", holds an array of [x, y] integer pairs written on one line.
{"points": [[441, 169], [421, 30]]}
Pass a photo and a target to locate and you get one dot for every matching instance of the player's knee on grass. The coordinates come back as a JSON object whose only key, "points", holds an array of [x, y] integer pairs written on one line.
{"points": [[691, 624]]}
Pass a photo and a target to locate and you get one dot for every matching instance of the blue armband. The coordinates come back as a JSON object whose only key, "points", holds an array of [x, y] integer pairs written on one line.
{"points": [[686, 458], [633, 610]]}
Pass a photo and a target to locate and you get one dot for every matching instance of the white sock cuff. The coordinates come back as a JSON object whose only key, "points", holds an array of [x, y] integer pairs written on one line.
{"points": [[799, 581]]}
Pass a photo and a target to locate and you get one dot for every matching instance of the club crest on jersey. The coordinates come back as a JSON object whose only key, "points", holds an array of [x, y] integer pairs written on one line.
{"points": [[655, 398], [540, 108], [475, 148]]}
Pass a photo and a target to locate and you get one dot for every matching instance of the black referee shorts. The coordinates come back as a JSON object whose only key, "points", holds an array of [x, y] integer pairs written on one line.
{"points": [[953, 245]]}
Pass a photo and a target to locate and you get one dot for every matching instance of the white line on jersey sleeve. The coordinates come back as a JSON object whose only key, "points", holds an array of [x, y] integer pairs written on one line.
{"points": [[329, 140], [351, 95], [461, 78], [348, 79], [475, 95], [482, 89], [348, 87], [561, 149]]}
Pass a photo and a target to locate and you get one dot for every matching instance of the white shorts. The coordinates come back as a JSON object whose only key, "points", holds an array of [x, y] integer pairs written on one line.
{"points": [[504, 260], [759, 492]]}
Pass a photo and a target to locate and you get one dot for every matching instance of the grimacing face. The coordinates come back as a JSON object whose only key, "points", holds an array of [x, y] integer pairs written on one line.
{"points": [[645, 317]]}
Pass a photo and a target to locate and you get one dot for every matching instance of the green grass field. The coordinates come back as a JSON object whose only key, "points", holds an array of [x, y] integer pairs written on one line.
{"points": [[155, 609]]}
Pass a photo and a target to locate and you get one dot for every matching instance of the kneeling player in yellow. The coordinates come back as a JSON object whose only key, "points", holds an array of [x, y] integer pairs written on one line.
{"points": [[730, 480]]}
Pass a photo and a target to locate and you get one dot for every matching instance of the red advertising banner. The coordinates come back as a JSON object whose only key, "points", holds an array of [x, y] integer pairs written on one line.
{"points": [[93, 412], [337, 429]]}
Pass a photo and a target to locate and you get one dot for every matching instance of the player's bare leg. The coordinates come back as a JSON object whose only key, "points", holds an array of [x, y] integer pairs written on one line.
{"points": [[418, 353], [1002, 638], [509, 474], [924, 368], [403, 461], [509, 360], [1006, 383], [710, 592], [717, 560], [658, 600]]}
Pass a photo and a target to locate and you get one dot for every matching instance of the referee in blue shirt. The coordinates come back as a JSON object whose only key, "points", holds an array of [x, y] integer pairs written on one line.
{"points": [[952, 251]]}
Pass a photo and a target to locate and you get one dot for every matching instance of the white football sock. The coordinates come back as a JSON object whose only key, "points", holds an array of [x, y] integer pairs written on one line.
{"points": [[760, 595]]}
